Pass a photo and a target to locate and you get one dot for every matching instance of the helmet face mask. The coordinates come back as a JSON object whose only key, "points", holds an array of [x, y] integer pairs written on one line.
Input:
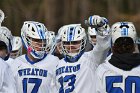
{"points": [[16, 53], [35, 38], [73, 48], [73, 40], [37, 44]]}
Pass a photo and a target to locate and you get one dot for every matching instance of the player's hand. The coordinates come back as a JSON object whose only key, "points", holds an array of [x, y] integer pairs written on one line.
{"points": [[100, 23], [96, 21]]}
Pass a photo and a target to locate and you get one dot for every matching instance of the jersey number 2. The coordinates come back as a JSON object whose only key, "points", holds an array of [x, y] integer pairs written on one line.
{"points": [[36, 81], [70, 84]]}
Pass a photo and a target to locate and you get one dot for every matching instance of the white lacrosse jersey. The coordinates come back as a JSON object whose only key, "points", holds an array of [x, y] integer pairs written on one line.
{"points": [[34, 77], [110, 79], [9, 61], [108, 57], [7, 83], [79, 77]]}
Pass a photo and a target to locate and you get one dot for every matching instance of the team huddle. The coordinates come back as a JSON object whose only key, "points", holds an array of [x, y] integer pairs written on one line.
{"points": [[60, 63]]}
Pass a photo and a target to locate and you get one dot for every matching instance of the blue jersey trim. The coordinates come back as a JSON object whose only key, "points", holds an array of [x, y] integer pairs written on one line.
{"points": [[33, 62]]}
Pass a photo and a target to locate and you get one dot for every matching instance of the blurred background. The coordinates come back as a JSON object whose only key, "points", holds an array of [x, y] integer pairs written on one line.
{"points": [[56, 13]]}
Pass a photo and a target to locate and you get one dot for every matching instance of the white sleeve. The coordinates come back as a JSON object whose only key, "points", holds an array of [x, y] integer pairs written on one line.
{"points": [[8, 81], [53, 86], [103, 44], [100, 51], [98, 84], [53, 81]]}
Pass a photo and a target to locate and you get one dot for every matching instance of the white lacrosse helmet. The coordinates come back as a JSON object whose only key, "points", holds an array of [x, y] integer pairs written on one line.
{"points": [[123, 29], [51, 42], [71, 33], [2, 16], [58, 39], [91, 33], [6, 36], [59, 34], [37, 33], [16, 47]]}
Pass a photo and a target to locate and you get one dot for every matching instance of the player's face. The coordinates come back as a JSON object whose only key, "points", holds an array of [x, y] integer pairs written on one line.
{"points": [[14, 53], [59, 48], [93, 39], [3, 53], [38, 44], [73, 46]]}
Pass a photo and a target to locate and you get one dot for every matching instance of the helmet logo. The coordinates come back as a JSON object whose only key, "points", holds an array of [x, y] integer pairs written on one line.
{"points": [[124, 32], [71, 32]]}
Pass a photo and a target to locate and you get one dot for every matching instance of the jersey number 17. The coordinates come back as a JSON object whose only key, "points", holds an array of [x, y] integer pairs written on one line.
{"points": [[36, 81]]}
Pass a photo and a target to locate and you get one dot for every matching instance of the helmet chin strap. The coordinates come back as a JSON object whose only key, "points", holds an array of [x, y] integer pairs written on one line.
{"points": [[72, 54], [7, 57], [35, 55], [73, 58]]}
